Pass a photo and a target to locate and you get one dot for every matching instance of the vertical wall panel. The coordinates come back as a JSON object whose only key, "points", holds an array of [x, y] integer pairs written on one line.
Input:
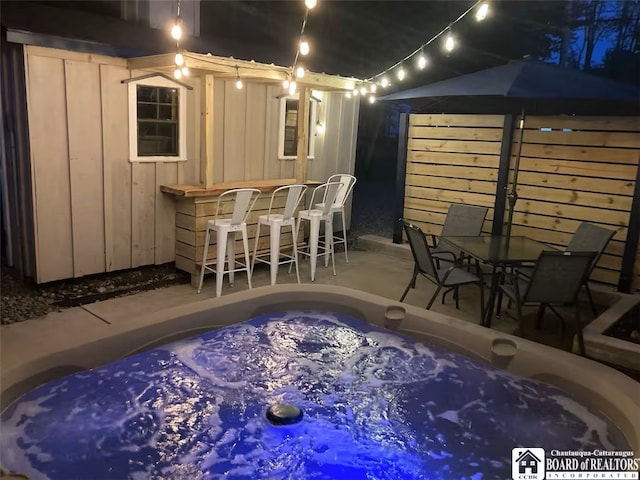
{"points": [[116, 167], [189, 171], [219, 130], [143, 198], [255, 130], [235, 105], [85, 164], [271, 166], [50, 168], [165, 216]]}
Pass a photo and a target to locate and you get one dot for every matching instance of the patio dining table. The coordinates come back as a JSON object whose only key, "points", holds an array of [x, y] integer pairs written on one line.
{"points": [[500, 252]]}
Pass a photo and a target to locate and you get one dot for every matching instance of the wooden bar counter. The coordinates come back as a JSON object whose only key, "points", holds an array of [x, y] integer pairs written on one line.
{"points": [[195, 206]]}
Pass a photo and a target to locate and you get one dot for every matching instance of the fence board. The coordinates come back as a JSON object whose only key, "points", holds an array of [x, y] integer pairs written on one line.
{"points": [[594, 139], [587, 199], [587, 169], [474, 186], [585, 154], [454, 146], [621, 187], [444, 158], [453, 133], [444, 120], [450, 196], [616, 124], [594, 215], [453, 171]]}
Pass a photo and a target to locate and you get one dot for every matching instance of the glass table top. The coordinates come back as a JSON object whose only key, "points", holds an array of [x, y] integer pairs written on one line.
{"points": [[499, 250]]}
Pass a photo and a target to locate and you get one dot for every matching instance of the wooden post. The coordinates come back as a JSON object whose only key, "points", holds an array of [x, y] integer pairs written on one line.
{"points": [[303, 135], [401, 173], [206, 148]]}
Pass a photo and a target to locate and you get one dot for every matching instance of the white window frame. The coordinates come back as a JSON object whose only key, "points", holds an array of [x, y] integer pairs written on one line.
{"points": [[313, 120], [133, 121]]}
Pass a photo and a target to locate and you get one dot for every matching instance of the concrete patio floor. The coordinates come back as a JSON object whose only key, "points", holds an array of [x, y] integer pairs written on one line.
{"points": [[382, 269]]}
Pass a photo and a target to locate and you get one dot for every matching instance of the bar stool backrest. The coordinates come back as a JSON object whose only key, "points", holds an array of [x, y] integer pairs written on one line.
{"points": [[243, 201], [294, 197], [347, 181], [330, 191]]}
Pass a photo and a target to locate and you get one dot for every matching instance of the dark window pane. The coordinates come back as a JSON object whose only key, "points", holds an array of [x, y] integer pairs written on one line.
{"points": [[157, 112], [291, 128], [146, 94], [148, 111]]}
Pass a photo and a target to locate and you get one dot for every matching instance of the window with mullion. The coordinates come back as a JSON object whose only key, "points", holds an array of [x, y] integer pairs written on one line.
{"points": [[158, 121]]}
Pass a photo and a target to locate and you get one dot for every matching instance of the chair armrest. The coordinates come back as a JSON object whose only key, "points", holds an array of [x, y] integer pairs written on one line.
{"points": [[434, 240]]}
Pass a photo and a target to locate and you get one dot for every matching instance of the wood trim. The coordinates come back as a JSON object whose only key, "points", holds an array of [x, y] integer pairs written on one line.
{"points": [[303, 135], [207, 140], [189, 191]]}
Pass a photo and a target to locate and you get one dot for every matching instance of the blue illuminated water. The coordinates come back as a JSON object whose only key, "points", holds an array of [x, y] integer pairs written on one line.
{"points": [[377, 406]]}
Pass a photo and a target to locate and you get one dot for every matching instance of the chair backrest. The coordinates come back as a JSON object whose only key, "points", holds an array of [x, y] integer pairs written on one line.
{"points": [[590, 238], [558, 276], [294, 196], [464, 220], [420, 250], [348, 181], [329, 193], [243, 201]]}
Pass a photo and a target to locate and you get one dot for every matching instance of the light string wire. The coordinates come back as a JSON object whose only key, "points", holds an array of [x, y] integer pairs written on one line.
{"points": [[427, 43], [297, 55]]}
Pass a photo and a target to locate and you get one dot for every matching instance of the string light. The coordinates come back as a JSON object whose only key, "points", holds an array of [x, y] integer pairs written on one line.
{"points": [[310, 4], [285, 83], [401, 74], [482, 12], [300, 72], [373, 88], [481, 8], [449, 43], [372, 99], [292, 88], [348, 95], [422, 62], [238, 80], [304, 47], [177, 73], [320, 128], [179, 59], [176, 30], [363, 90]]}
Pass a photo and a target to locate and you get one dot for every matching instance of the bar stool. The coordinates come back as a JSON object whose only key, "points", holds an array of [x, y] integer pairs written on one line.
{"points": [[347, 181], [275, 222], [243, 201], [315, 216]]}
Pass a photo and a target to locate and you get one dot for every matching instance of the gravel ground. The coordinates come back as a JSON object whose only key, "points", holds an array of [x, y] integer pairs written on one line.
{"points": [[23, 300]]}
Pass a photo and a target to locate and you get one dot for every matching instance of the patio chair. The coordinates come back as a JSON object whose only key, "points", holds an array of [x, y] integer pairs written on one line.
{"points": [[587, 238], [555, 281], [451, 278], [461, 221]]}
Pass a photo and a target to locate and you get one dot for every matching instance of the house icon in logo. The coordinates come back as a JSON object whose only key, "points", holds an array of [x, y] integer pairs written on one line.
{"points": [[528, 462]]}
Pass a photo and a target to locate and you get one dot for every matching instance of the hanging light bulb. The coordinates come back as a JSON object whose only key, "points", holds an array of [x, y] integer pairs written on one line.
{"points": [[320, 128], [355, 92], [179, 59], [285, 83], [348, 95], [363, 90], [176, 30], [422, 62], [384, 82], [482, 11], [401, 74], [292, 88], [449, 43], [185, 72], [238, 80], [177, 73], [372, 99], [373, 88], [304, 47], [310, 4], [300, 72]]}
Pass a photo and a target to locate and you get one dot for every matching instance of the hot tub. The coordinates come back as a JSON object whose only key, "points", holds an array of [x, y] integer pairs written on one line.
{"points": [[376, 404]]}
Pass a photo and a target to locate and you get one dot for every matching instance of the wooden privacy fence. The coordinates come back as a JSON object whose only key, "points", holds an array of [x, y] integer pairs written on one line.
{"points": [[571, 169]]}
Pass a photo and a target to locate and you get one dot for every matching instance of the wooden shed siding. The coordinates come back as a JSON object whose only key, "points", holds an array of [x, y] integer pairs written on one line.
{"points": [[585, 172], [98, 211]]}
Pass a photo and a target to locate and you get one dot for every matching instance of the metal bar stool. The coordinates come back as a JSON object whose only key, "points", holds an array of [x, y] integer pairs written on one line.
{"points": [[275, 222], [315, 216], [348, 182], [243, 201]]}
